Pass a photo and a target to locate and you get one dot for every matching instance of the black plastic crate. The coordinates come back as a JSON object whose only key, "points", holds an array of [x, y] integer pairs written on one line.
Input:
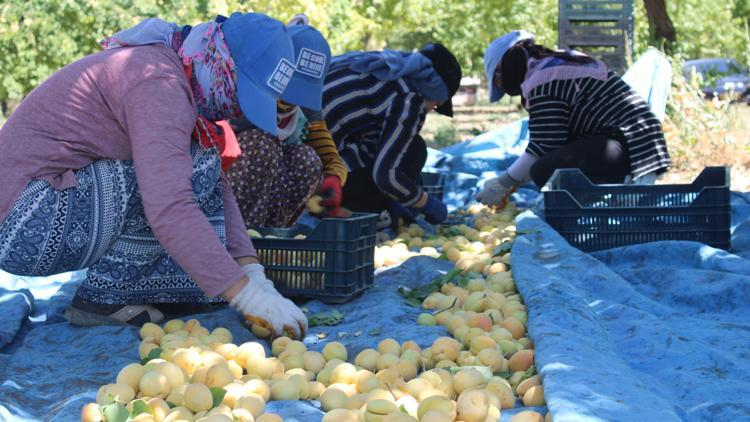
{"points": [[595, 10], [334, 263], [433, 183], [594, 217]]}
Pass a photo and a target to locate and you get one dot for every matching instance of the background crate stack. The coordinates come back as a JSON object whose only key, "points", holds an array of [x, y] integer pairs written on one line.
{"points": [[334, 263], [601, 28], [595, 217]]}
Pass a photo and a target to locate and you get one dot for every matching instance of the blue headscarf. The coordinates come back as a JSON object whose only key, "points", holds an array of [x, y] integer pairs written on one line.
{"points": [[388, 65]]}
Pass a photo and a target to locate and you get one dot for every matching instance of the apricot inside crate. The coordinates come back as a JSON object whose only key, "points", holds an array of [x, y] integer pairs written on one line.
{"points": [[334, 263]]}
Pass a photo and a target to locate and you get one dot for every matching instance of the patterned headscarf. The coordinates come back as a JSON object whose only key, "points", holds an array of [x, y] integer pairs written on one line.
{"points": [[203, 47]]}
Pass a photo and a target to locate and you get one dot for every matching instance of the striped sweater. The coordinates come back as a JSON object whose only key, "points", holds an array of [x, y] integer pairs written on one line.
{"points": [[561, 111], [373, 122], [320, 139]]}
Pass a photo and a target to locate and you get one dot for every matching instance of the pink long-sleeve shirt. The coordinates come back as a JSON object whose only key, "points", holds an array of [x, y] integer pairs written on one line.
{"points": [[131, 103]]}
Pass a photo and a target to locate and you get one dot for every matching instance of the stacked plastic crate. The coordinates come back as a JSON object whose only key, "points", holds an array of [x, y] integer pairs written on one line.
{"points": [[600, 28]]}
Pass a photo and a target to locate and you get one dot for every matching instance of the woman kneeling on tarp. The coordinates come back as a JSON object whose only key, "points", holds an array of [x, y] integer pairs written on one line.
{"points": [[277, 174], [375, 104], [581, 115], [104, 167]]}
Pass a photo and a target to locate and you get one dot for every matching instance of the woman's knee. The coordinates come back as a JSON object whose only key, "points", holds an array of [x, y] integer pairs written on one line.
{"points": [[304, 158], [305, 171], [259, 149]]}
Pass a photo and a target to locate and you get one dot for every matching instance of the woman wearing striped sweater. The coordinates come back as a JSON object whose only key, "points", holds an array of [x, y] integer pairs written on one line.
{"points": [[580, 116], [375, 104]]}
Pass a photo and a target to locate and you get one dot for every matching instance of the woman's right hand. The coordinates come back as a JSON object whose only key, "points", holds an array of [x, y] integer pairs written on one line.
{"points": [[260, 303], [496, 191]]}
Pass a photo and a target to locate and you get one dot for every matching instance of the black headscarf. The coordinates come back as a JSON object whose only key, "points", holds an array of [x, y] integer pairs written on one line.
{"points": [[515, 61]]}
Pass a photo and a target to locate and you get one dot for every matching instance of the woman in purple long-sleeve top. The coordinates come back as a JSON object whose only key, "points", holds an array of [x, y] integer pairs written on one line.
{"points": [[114, 164]]}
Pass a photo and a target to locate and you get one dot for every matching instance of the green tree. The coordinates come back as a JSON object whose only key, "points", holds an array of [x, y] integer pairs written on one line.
{"points": [[38, 37]]}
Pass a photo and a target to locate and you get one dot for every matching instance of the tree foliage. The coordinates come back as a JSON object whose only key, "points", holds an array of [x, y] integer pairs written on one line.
{"points": [[38, 37]]}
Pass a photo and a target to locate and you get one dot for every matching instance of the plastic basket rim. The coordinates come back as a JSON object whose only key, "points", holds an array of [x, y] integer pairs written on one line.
{"points": [[547, 186], [310, 232]]}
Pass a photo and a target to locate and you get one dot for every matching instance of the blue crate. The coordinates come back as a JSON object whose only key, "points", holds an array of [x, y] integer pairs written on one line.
{"points": [[334, 263], [433, 183], [595, 217]]}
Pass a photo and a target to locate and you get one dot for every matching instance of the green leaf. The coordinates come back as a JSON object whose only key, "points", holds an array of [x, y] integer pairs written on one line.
{"points": [[449, 231], [413, 301], [414, 297], [526, 375], [503, 248], [375, 331], [503, 374], [115, 412], [450, 275], [218, 395], [140, 406], [333, 317], [153, 354]]}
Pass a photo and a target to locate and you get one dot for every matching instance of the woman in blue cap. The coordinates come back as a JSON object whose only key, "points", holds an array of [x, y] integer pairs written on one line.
{"points": [[375, 104], [277, 174], [114, 164], [581, 115]]}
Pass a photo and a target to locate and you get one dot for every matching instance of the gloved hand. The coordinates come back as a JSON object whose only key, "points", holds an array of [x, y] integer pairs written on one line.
{"points": [[256, 272], [260, 303], [434, 210], [330, 191], [399, 212], [496, 191]]}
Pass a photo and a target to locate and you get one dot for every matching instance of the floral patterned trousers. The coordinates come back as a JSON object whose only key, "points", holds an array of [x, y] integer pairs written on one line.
{"points": [[272, 181]]}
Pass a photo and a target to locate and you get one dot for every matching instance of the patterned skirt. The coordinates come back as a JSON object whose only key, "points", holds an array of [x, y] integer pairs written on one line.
{"points": [[273, 180], [100, 225]]}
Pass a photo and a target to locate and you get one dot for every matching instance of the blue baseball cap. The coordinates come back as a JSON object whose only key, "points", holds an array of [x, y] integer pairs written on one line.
{"points": [[494, 55], [312, 60], [264, 57]]}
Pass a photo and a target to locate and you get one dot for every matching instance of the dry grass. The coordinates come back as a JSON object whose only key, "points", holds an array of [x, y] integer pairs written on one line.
{"points": [[727, 145], [722, 142]]}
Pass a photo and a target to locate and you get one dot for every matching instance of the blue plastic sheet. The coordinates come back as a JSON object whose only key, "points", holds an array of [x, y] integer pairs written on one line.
{"points": [[657, 331]]}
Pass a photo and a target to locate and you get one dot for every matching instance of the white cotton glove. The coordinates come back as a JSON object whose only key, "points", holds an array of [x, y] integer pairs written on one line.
{"points": [[256, 273], [261, 304], [496, 191]]}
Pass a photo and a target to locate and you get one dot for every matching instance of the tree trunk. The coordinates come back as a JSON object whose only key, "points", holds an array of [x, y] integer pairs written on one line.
{"points": [[660, 25]]}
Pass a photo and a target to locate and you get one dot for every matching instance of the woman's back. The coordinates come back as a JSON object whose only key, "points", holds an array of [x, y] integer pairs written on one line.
{"points": [[80, 114]]}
